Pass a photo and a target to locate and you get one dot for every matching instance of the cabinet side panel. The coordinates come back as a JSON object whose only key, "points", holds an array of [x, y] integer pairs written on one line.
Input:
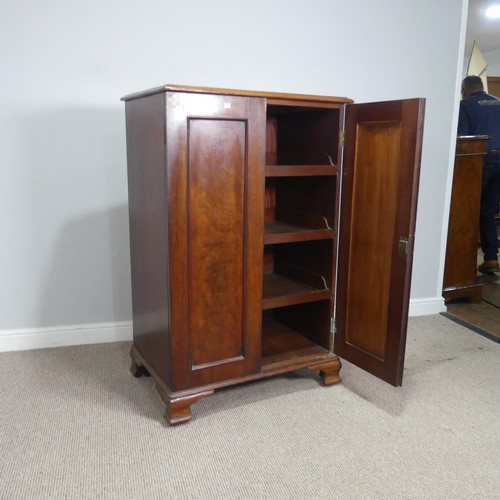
{"points": [[145, 120], [216, 201], [463, 230]]}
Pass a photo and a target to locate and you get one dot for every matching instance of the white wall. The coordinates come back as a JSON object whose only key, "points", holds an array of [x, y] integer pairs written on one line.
{"points": [[64, 256], [493, 59]]}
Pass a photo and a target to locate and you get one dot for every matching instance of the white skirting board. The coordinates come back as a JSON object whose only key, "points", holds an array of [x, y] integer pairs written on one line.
{"points": [[426, 306], [98, 333], [40, 338]]}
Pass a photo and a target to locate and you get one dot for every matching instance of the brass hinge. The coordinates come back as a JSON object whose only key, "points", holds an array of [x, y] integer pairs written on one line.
{"points": [[342, 138], [333, 325]]}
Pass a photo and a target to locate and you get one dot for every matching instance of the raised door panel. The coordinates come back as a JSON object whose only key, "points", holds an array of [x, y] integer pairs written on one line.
{"points": [[377, 220], [215, 168]]}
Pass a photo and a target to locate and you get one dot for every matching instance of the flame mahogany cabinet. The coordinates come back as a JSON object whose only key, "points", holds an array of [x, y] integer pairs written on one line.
{"points": [[244, 262], [460, 270]]}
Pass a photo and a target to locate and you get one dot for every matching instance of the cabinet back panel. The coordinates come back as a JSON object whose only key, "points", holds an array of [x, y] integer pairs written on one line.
{"points": [[312, 321], [315, 195], [313, 256], [302, 136], [269, 201]]}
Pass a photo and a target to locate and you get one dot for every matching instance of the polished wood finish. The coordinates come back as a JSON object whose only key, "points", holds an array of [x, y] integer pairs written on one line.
{"points": [[150, 271], [178, 409], [278, 98], [329, 371], [234, 209], [494, 85], [178, 403], [300, 170], [177, 406], [381, 172], [281, 343], [460, 272], [281, 291], [215, 148]]}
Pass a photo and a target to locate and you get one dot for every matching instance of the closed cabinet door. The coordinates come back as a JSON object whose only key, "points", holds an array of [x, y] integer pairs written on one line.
{"points": [[215, 175], [377, 220]]}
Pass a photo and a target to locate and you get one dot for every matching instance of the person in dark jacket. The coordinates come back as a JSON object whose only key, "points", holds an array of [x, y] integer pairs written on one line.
{"points": [[480, 115]]}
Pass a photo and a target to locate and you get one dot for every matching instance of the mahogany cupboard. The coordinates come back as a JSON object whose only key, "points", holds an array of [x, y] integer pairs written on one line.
{"points": [[261, 223], [460, 270]]}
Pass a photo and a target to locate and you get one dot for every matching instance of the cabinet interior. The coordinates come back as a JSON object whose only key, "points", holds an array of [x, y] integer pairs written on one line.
{"points": [[300, 135], [298, 330], [305, 202], [299, 239]]}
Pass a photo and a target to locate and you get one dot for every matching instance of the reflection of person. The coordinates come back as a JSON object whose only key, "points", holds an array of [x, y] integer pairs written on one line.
{"points": [[480, 115]]}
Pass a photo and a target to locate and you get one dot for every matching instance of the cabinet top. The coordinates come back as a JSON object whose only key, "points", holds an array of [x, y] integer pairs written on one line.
{"points": [[470, 145], [273, 96]]}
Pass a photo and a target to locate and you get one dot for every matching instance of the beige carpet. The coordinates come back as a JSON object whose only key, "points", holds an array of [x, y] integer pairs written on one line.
{"points": [[75, 424]]}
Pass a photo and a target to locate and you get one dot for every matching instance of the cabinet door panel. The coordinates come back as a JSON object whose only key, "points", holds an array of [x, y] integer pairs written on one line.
{"points": [[215, 166], [377, 221], [215, 239]]}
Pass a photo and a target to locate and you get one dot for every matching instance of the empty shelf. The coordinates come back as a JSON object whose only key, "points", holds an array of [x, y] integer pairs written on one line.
{"points": [[281, 291]]}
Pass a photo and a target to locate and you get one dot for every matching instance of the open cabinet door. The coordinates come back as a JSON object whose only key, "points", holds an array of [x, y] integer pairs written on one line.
{"points": [[377, 220]]}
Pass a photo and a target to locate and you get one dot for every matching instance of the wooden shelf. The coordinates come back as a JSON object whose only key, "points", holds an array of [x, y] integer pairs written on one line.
{"points": [[280, 291], [283, 232], [300, 170], [281, 344], [294, 225]]}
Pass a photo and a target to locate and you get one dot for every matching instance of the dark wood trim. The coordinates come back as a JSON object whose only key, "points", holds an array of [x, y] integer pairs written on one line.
{"points": [[274, 97]]}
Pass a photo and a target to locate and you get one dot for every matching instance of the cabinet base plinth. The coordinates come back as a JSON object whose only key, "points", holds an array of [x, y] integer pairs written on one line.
{"points": [[136, 366], [473, 292], [178, 409], [178, 403], [330, 371]]}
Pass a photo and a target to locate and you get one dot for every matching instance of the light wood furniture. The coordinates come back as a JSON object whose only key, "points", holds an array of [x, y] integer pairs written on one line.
{"points": [[460, 272], [234, 215]]}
